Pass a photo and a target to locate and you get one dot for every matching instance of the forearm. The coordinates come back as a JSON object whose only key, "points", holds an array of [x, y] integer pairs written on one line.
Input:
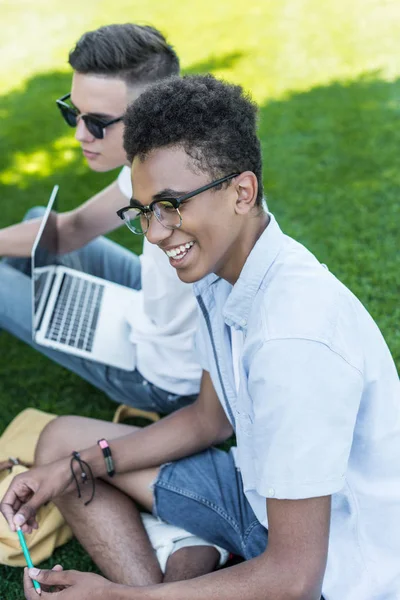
{"points": [[17, 240], [262, 578], [94, 217], [76, 228], [181, 434]]}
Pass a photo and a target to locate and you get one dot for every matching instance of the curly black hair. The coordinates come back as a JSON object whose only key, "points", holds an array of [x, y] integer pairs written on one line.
{"points": [[213, 121]]}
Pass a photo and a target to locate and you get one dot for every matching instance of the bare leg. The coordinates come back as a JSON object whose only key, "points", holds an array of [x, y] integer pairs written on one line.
{"points": [[191, 562], [110, 528], [111, 531]]}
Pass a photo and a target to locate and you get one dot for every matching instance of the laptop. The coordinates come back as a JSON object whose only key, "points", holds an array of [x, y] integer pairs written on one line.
{"points": [[75, 312]]}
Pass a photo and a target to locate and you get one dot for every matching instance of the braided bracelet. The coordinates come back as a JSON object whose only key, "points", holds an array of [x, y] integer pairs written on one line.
{"points": [[84, 476]]}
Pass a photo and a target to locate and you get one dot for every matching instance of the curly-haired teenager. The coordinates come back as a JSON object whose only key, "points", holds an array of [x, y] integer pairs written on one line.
{"points": [[293, 363]]}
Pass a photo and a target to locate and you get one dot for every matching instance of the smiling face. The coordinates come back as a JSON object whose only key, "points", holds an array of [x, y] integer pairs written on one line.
{"points": [[106, 98], [215, 235]]}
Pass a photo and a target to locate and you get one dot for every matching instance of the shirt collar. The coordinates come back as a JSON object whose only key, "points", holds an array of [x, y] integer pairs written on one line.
{"points": [[263, 255], [202, 285]]}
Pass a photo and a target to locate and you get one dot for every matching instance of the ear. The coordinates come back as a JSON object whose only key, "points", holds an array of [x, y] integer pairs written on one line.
{"points": [[246, 186]]}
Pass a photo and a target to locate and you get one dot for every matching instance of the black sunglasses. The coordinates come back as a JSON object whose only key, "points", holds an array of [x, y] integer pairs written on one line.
{"points": [[96, 126]]}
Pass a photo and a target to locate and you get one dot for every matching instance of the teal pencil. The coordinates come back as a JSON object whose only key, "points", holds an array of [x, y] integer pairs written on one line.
{"points": [[27, 557]]}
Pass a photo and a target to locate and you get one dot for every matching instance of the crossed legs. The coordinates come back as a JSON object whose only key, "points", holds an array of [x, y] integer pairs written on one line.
{"points": [[110, 528]]}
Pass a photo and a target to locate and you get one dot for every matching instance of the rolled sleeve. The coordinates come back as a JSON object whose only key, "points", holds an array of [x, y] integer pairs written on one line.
{"points": [[305, 400], [124, 182]]}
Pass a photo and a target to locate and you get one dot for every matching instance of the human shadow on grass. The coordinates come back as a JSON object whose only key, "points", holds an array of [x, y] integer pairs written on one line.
{"points": [[332, 174], [214, 63]]}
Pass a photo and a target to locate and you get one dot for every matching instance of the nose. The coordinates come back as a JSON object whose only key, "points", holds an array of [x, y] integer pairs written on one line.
{"points": [[82, 134], [156, 232]]}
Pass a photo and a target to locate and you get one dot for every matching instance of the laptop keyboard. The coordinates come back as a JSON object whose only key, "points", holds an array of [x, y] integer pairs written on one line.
{"points": [[76, 313]]}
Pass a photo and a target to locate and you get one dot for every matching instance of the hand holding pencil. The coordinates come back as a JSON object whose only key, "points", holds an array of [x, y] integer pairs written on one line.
{"points": [[69, 585], [27, 557]]}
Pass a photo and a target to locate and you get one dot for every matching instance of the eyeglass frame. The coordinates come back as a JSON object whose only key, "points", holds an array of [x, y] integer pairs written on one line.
{"points": [[176, 203], [60, 102]]}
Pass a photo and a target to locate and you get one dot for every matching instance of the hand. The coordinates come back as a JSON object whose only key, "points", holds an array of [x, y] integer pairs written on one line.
{"points": [[66, 585], [30, 490], [28, 583]]}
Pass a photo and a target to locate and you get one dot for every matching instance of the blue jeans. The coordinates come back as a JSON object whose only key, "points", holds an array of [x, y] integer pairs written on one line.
{"points": [[204, 494], [110, 261]]}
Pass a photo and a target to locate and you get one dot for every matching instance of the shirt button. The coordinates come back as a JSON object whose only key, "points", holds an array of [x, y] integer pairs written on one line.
{"points": [[144, 382], [243, 323], [271, 492]]}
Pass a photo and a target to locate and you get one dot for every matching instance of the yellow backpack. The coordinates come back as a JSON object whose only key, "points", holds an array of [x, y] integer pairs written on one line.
{"points": [[19, 441]]}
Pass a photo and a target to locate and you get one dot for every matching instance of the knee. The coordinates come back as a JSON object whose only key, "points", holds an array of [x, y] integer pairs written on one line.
{"points": [[55, 440], [34, 213]]}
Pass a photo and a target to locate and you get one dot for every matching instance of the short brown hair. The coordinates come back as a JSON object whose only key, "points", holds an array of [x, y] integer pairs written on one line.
{"points": [[138, 54]]}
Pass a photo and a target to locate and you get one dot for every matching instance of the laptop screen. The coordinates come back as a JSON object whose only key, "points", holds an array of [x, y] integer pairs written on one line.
{"points": [[43, 258]]}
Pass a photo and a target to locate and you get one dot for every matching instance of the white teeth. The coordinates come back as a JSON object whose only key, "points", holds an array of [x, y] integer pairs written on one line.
{"points": [[180, 256], [179, 251]]}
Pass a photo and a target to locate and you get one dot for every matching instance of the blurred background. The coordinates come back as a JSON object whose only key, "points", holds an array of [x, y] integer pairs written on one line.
{"points": [[326, 78]]}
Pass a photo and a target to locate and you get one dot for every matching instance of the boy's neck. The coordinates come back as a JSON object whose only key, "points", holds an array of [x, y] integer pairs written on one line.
{"points": [[232, 268]]}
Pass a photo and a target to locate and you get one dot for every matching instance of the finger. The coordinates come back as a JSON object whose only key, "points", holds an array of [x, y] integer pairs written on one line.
{"points": [[48, 588], [30, 526], [27, 529], [17, 504], [18, 495], [7, 508], [26, 514], [58, 568], [28, 583], [62, 578], [57, 588], [29, 590]]}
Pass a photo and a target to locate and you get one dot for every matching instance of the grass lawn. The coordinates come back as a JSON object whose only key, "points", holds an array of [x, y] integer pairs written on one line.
{"points": [[326, 77]]}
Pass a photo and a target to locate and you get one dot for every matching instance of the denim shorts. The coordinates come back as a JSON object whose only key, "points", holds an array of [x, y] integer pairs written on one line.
{"points": [[204, 495]]}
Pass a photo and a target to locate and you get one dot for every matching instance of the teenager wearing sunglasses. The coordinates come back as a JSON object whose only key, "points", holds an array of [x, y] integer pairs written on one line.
{"points": [[111, 67]]}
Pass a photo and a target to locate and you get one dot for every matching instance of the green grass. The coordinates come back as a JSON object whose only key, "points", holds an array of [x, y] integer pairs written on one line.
{"points": [[326, 77]]}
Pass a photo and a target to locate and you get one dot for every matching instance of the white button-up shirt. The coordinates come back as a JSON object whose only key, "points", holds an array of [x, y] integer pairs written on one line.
{"points": [[318, 407]]}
